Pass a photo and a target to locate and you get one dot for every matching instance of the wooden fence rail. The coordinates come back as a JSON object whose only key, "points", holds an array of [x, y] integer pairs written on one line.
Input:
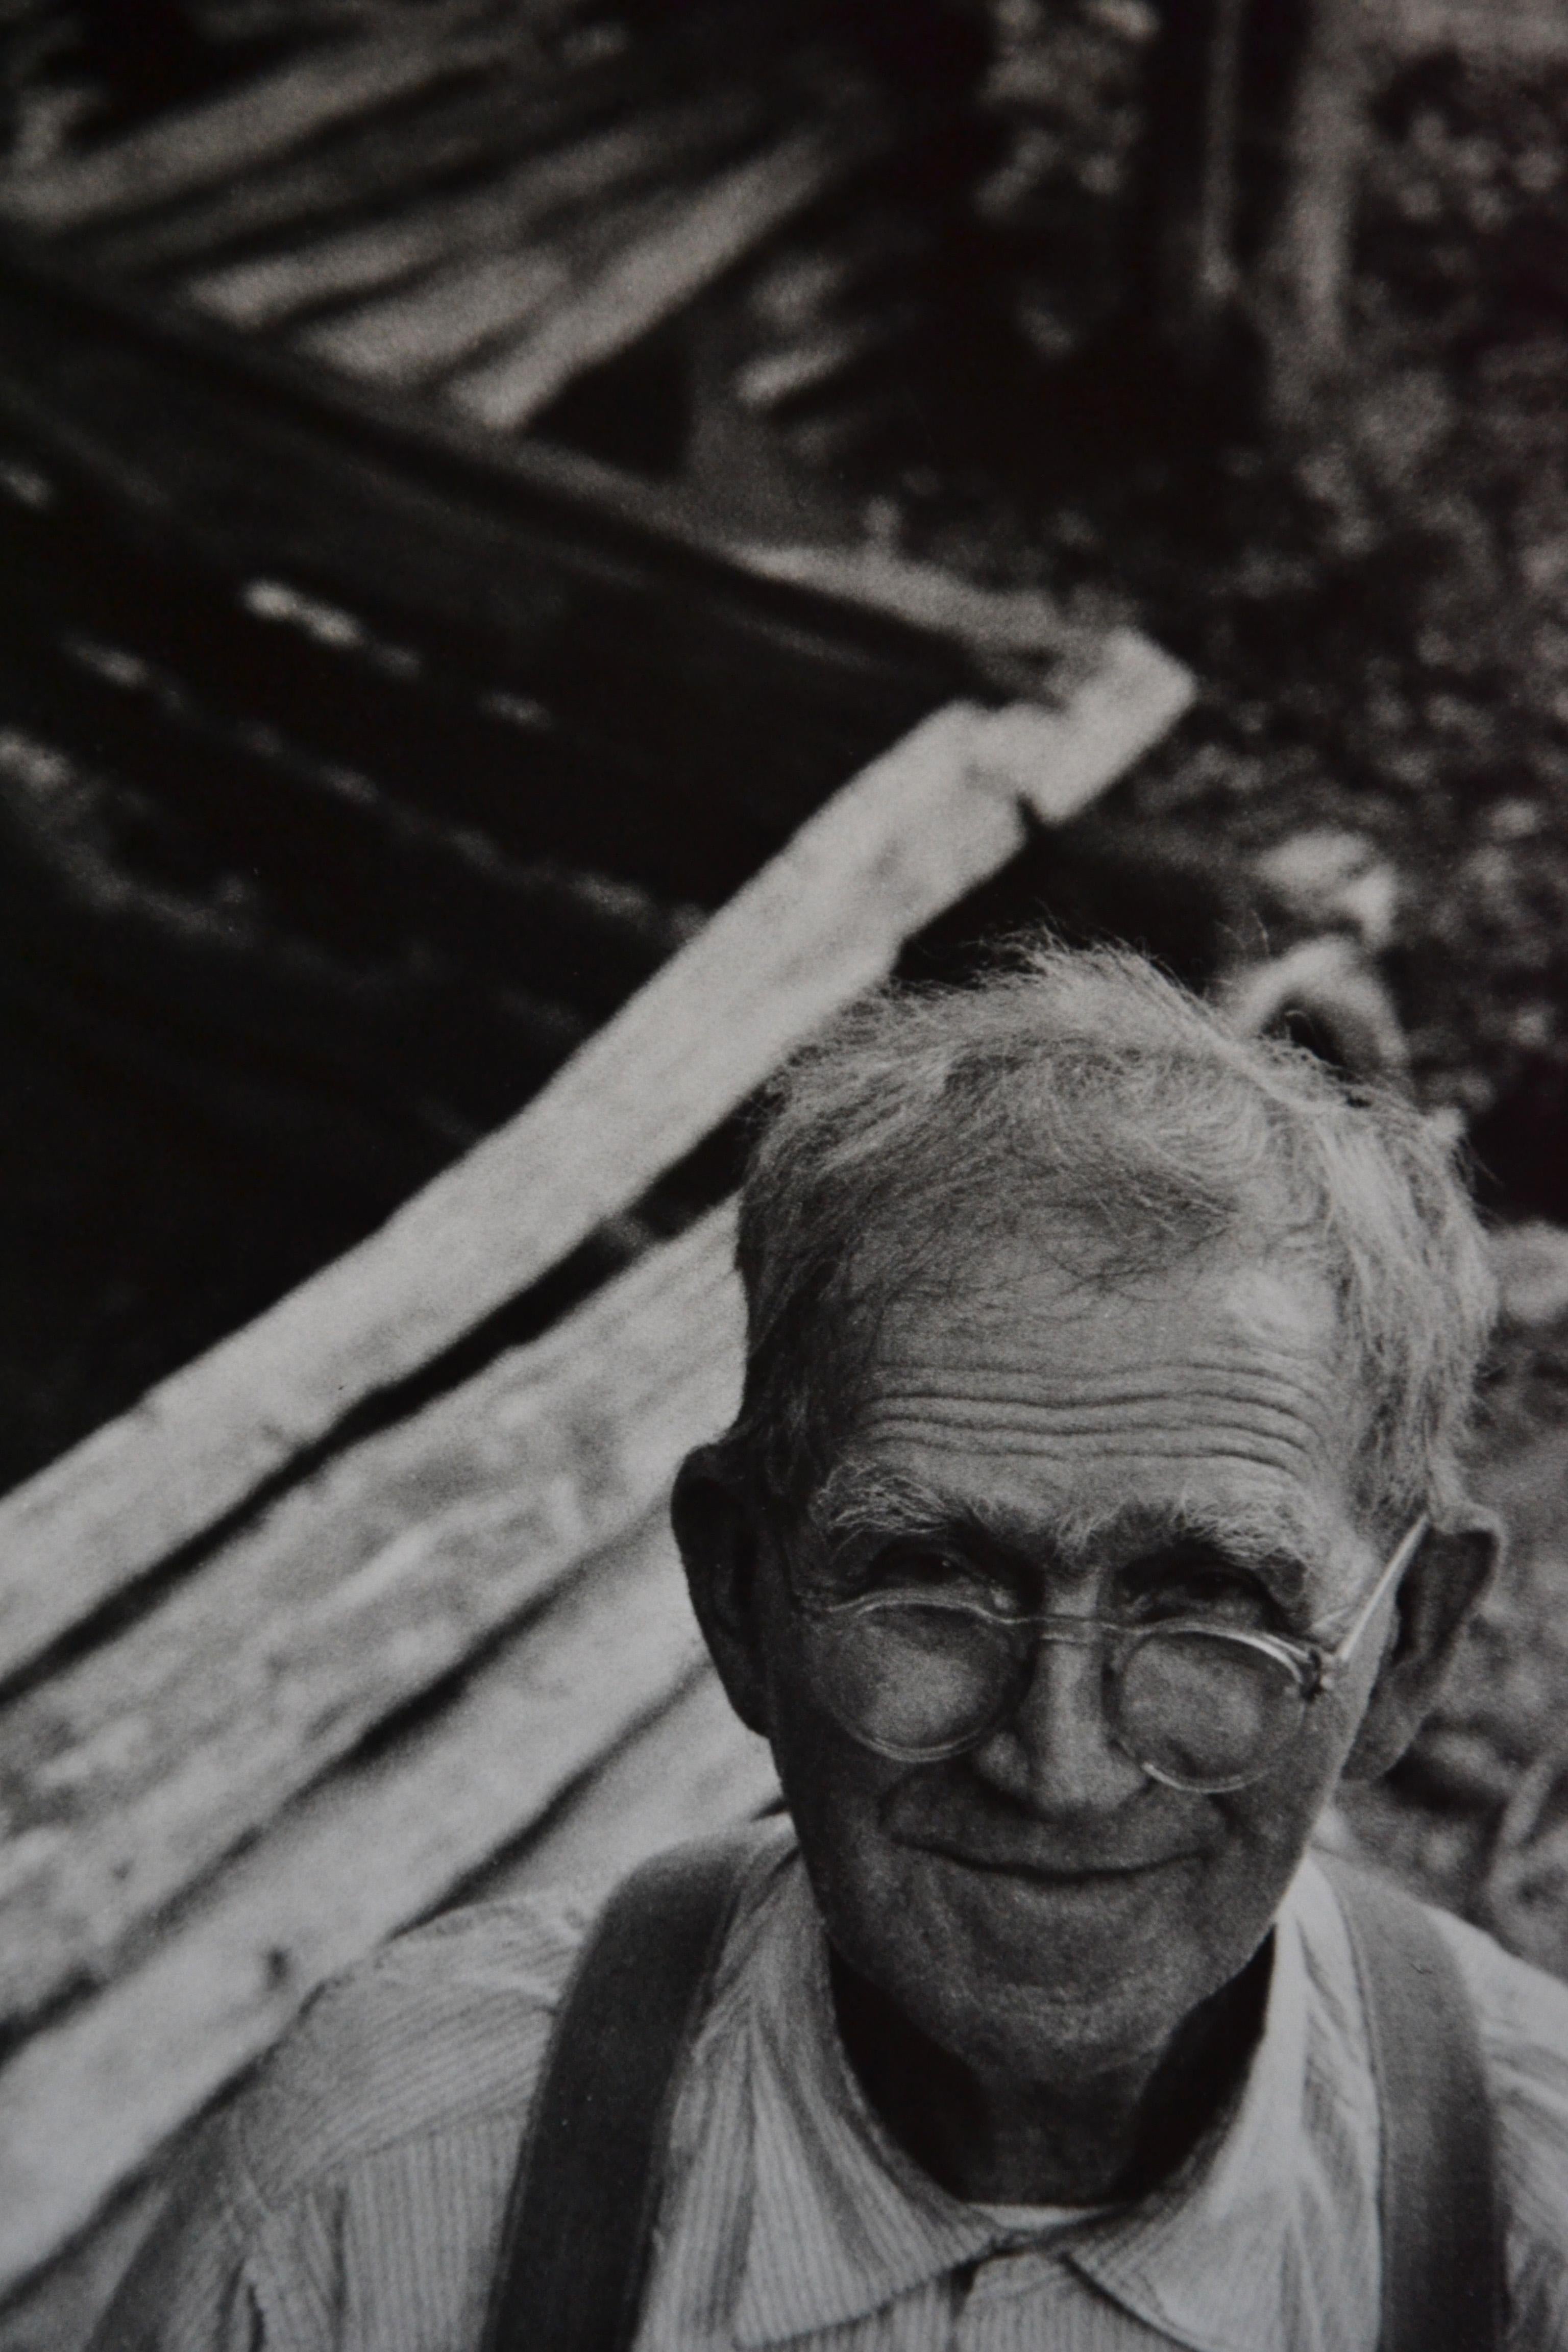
{"points": [[204, 1831], [930, 819], [86, 2104], [130, 1773], [220, 138]]}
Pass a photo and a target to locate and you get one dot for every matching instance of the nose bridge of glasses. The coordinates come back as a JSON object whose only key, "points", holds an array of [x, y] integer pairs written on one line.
{"points": [[1085, 1631], [1062, 1721]]}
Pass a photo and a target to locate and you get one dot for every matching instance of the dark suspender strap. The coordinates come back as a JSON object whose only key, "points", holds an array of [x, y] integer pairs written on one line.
{"points": [[579, 2224], [1443, 2281], [575, 2243]]}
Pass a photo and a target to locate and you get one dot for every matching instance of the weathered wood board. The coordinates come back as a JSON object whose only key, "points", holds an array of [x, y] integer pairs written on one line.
{"points": [[210, 1817], [531, 101], [279, 110], [532, 276], [938, 815], [274, 290], [87, 2102], [682, 245], [337, 1626], [132, 1771], [685, 1771]]}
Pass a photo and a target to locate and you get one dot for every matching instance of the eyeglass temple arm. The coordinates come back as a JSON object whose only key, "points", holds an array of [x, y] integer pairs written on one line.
{"points": [[1404, 1552]]}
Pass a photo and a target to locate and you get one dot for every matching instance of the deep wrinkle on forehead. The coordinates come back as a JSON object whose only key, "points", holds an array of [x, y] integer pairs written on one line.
{"points": [[1026, 1397], [1016, 1335]]}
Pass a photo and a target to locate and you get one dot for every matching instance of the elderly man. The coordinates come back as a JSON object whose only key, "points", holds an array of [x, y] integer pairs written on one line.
{"points": [[1095, 1502]]}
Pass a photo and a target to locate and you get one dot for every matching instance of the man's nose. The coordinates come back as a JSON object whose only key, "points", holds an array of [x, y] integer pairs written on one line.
{"points": [[1057, 1753]]}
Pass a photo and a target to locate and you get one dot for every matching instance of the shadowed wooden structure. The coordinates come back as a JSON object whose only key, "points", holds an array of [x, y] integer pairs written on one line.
{"points": [[387, 1662], [375, 1603]]}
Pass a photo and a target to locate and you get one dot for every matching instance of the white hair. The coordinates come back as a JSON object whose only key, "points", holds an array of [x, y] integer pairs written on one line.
{"points": [[1087, 1092]]}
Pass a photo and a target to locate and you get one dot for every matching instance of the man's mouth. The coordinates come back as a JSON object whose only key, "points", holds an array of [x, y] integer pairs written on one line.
{"points": [[1014, 1859]]}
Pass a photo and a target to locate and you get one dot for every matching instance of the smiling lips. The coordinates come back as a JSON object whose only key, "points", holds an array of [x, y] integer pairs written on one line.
{"points": [[1052, 1873]]}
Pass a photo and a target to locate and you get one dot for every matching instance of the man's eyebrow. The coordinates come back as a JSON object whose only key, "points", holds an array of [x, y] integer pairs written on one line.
{"points": [[860, 1499], [1266, 1548], [1266, 1544], [865, 1499]]}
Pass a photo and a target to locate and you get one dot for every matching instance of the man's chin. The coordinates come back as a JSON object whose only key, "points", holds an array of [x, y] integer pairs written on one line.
{"points": [[1084, 1966]]}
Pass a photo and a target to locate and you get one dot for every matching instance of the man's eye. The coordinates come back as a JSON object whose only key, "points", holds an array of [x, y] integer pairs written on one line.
{"points": [[1201, 1589], [926, 1567], [906, 1563]]}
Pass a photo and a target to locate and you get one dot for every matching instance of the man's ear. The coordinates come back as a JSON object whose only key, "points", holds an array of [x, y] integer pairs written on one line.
{"points": [[721, 1543], [1442, 1585]]}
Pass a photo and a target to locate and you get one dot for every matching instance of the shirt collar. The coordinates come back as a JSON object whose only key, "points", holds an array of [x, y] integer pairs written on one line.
{"points": [[829, 2178]]}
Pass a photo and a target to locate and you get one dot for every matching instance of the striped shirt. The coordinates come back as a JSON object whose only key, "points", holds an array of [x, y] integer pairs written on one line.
{"points": [[351, 2201]]}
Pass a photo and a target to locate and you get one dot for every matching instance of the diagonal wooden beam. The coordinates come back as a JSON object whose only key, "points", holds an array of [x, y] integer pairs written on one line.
{"points": [[377, 165], [537, 97], [424, 330], [130, 1772], [688, 1771], [214, 140], [690, 240], [358, 262], [934, 817], [86, 2103]]}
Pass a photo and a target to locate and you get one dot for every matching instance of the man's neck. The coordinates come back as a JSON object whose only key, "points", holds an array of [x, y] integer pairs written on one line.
{"points": [[1112, 2135]]}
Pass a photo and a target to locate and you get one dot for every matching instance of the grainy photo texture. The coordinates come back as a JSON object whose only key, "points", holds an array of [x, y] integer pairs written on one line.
{"points": [[783, 1043]]}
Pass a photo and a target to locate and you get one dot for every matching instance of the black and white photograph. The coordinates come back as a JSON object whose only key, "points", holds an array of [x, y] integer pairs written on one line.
{"points": [[784, 1175]]}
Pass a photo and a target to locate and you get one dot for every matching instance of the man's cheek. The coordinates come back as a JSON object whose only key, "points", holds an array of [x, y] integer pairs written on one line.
{"points": [[837, 1795]]}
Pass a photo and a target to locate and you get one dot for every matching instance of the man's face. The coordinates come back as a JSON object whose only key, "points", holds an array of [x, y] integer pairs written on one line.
{"points": [[1040, 1907]]}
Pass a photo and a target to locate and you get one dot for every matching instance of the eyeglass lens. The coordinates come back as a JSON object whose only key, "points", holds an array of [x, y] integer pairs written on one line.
{"points": [[1201, 1710]]}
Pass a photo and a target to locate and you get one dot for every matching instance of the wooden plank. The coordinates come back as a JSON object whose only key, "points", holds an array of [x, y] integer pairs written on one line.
{"points": [[694, 241], [782, 373], [414, 336], [200, 146], [1059, 760], [691, 1769], [87, 2103], [407, 338], [931, 819], [132, 1773], [361, 168], [269, 290], [718, 692], [531, 101]]}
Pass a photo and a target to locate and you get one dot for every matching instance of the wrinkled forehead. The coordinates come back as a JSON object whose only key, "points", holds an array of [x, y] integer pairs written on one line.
{"points": [[1036, 1391]]}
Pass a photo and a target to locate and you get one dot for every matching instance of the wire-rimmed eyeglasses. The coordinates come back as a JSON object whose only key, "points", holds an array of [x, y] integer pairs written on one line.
{"points": [[921, 1676]]}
